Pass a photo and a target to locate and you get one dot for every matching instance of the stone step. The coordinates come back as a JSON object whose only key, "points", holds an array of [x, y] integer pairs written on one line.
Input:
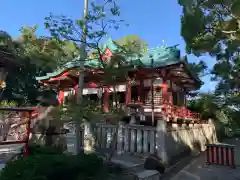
{"points": [[148, 175], [144, 174], [136, 166], [128, 165]]}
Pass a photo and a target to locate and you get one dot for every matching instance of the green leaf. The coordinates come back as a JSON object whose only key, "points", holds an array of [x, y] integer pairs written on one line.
{"points": [[235, 7]]}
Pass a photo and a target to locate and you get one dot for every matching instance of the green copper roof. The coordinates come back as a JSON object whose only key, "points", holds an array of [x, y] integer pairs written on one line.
{"points": [[161, 56], [76, 63], [111, 45]]}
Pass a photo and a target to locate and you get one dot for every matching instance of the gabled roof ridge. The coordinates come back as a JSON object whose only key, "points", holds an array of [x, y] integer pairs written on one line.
{"points": [[109, 43], [163, 47]]}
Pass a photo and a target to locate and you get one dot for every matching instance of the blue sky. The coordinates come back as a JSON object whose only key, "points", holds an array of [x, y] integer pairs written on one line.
{"points": [[153, 21]]}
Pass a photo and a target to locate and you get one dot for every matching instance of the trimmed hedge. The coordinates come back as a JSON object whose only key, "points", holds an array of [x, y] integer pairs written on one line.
{"points": [[55, 167]]}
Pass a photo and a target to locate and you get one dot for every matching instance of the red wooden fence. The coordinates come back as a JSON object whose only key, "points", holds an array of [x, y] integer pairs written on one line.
{"points": [[220, 154]]}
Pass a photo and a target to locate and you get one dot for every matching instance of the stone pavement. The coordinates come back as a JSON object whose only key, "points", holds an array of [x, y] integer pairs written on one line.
{"points": [[198, 170]]}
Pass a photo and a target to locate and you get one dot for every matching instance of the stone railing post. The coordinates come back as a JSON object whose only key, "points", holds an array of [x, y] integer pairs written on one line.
{"points": [[139, 141], [126, 139], [145, 141], [133, 140], [160, 140], [120, 139]]}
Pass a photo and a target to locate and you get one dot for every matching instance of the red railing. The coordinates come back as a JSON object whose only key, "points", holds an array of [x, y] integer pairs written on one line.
{"points": [[215, 154], [170, 110], [181, 112]]}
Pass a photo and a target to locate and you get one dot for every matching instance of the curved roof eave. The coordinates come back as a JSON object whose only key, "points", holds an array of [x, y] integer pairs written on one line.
{"points": [[70, 65], [66, 67], [76, 62], [191, 73]]}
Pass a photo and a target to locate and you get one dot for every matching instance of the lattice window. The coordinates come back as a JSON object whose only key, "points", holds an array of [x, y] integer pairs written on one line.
{"points": [[157, 96]]}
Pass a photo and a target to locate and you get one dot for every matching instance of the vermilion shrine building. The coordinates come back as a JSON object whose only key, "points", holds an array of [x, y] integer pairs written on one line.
{"points": [[160, 72]]}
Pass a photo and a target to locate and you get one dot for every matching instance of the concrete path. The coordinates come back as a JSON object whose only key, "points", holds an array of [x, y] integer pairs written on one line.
{"points": [[198, 170]]}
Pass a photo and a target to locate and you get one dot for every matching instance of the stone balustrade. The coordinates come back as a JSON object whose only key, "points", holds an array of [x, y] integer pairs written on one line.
{"points": [[145, 140], [130, 138]]}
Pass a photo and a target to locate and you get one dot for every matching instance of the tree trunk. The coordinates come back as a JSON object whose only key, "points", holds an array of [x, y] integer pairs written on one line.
{"points": [[113, 144]]}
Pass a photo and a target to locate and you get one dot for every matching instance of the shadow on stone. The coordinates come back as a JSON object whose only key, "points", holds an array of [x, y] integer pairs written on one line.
{"points": [[176, 158], [153, 162]]}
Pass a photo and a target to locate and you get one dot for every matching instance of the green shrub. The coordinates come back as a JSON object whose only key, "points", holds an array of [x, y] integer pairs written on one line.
{"points": [[55, 167], [36, 149]]}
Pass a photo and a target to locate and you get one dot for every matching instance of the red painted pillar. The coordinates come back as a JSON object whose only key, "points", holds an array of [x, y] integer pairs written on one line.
{"points": [[212, 154], [222, 155], [208, 155], [227, 156], [106, 99], [60, 97], [232, 158], [165, 91], [170, 94], [217, 155], [140, 91], [28, 128], [128, 93]]}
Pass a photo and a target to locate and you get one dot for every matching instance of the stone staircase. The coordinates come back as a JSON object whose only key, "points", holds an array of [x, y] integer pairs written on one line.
{"points": [[135, 165]]}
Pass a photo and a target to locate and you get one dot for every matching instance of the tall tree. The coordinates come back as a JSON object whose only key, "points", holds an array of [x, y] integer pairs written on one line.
{"points": [[46, 52], [133, 44], [206, 104], [35, 56], [100, 18], [207, 25], [200, 68], [212, 27]]}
